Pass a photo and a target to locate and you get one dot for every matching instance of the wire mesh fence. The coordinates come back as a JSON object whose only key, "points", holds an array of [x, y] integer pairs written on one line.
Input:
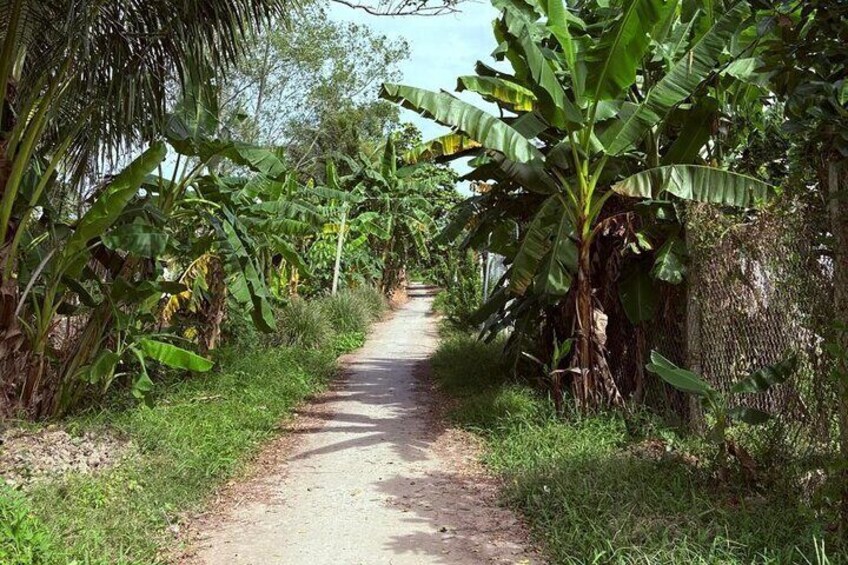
{"points": [[760, 289]]}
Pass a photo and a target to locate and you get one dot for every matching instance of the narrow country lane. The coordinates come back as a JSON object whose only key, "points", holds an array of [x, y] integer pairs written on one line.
{"points": [[371, 478]]}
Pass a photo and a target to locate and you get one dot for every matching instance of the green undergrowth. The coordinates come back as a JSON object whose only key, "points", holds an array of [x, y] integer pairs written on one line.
{"points": [[596, 490], [199, 432]]}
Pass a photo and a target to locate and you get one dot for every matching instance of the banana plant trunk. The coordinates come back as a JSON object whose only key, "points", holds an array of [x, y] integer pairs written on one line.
{"points": [[215, 311], [583, 382], [70, 389]]}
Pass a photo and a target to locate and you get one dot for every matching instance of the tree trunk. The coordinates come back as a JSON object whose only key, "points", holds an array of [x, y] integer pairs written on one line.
{"points": [[260, 95], [585, 324], [216, 310], [339, 246], [837, 182], [13, 355]]}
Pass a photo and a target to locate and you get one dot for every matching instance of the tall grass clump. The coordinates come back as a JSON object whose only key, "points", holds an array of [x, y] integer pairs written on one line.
{"points": [[465, 365], [374, 301], [475, 374], [346, 312], [302, 323]]}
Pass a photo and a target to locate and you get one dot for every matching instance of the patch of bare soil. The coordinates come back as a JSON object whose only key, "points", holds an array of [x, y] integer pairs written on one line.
{"points": [[31, 456]]}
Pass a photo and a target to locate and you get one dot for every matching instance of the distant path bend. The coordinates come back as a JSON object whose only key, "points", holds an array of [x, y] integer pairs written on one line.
{"points": [[372, 477]]}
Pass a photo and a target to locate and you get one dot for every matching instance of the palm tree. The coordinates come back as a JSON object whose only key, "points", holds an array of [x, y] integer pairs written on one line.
{"points": [[82, 84], [80, 81]]}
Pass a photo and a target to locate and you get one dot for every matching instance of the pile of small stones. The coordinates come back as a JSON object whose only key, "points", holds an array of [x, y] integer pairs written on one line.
{"points": [[28, 456]]}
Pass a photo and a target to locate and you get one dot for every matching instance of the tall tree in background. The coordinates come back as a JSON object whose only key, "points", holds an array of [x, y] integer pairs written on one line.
{"points": [[312, 87]]}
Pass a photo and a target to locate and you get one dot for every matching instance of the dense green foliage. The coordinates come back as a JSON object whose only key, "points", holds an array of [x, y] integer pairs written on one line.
{"points": [[180, 181], [314, 323], [592, 117], [462, 288], [614, 121], [114, 269]]}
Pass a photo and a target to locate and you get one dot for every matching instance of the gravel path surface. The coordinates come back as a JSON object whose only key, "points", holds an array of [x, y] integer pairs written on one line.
{"points": [[372, 476]]}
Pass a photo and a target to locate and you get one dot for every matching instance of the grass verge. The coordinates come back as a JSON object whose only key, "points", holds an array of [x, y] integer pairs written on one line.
{"points": [[198, 433], [595, 491]]}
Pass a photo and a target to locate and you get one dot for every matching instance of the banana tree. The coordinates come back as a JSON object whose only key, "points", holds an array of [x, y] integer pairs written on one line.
{"points": [[400, 217], [104, 274], [725, 407], [235, 229], [79, 82], [53, 283], [83, 80], [587, 118]]}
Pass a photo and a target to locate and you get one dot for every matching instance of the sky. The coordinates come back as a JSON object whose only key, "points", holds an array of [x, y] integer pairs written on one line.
{"points": [[441, 48]]}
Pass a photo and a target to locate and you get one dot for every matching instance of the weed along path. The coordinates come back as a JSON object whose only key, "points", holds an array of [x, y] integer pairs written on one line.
{"points": [[369, 475]]}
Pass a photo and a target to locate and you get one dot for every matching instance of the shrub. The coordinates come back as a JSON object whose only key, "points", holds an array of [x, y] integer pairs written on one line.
{"points": [[374, 301], [302, 324], [346, 312], [462, 293], [347, 342]]}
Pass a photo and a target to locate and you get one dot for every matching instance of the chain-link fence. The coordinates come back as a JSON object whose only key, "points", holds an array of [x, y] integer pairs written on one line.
{"points": [[761, 289]]}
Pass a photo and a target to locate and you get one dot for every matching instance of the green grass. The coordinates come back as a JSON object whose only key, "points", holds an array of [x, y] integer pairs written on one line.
{"points": [[303, 323], [199, 432], [592, 496], [346, 312], [24, 540]]}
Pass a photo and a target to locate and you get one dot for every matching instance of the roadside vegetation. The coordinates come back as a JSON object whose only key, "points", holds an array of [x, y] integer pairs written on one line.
{"points": [[202, 204], [197, 433], [608, 488], [663, 186]]}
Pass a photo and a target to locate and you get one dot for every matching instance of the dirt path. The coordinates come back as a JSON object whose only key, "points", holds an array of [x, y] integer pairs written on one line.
{"points": [[372, 477]]}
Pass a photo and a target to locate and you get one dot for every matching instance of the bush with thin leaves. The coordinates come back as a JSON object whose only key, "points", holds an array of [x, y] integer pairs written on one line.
{"points": [[346, 312], [302, 324], [373, 300]]}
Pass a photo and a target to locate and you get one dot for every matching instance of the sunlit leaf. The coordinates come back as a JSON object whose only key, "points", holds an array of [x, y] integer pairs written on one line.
{"points": [[681, 379], [697, 183], [173, 356], [484, 128]]}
